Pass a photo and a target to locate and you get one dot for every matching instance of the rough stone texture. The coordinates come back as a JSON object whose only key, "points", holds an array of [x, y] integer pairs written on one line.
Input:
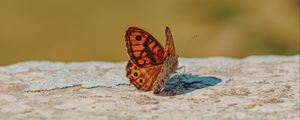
{"points": [[256, 87]]}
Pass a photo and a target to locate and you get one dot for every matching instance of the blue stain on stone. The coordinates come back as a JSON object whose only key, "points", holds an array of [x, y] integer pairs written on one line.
{"points": [[184, 83]]}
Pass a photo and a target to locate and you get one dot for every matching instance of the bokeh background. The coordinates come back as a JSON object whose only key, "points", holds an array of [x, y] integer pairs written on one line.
{"points": [[93, 30]]}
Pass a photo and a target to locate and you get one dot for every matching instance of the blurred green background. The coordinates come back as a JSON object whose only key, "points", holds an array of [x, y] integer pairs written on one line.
{"points": [[85, 30]]}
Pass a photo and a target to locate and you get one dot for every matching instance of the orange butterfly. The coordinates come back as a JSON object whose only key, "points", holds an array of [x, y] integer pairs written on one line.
{"points": [[150, 65]]}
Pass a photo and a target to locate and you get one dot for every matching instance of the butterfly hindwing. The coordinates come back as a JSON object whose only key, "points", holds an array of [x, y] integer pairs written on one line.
{"points": [[142, 78]]}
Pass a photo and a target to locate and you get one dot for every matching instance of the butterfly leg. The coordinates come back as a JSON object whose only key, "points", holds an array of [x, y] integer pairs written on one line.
{"points": [[180, 68]]}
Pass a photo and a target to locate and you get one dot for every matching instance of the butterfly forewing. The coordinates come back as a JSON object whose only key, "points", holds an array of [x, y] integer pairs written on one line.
{"points": [[169, 47], [143, 49], [169, 65]]}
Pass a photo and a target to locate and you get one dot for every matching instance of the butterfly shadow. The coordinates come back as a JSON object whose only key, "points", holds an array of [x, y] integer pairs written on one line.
{"points": [[185, 83]]}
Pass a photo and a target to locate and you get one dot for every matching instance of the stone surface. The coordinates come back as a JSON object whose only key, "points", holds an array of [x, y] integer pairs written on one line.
{"points": [[256, 87]]}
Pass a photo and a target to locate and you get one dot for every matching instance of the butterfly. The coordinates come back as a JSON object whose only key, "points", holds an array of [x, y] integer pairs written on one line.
{"points": [[150, 65]]}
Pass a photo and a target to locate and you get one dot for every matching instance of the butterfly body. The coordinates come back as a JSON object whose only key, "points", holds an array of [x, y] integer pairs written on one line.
{"points": [[150, 65]]}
